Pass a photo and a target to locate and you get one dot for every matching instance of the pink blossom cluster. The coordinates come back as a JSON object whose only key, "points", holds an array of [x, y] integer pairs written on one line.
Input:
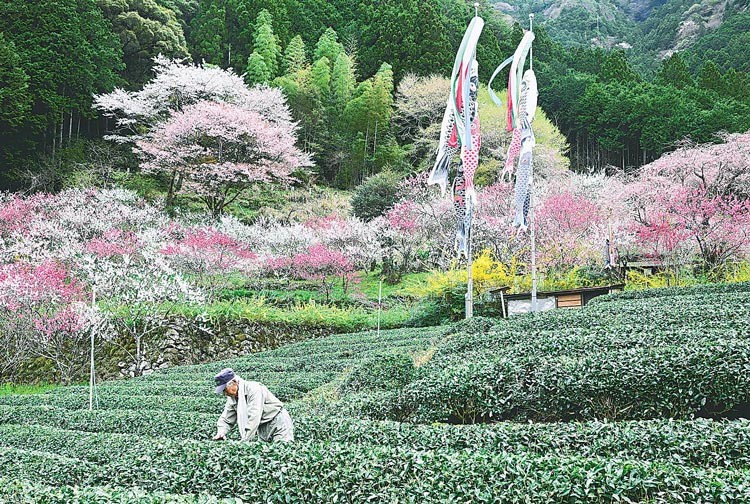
{"points": [[570, 231], [692, 203], [114, 242], [403, 216], [207, 250], [319, 263], [695, 201], [17, 213], [45, 296]]}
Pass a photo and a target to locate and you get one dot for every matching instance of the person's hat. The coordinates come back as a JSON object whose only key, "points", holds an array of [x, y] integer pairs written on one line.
{"points": [[225, 376]]}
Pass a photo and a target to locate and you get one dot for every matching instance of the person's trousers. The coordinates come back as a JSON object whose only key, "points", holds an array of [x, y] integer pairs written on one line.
{"points": [[279, 428]]}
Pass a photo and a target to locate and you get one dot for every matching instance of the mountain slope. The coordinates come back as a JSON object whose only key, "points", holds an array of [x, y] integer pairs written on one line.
{"points": [[654, 26]]}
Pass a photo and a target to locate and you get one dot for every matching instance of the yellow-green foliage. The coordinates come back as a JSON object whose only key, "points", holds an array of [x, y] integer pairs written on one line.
{"points": [[562, 280], [737, 272], [486, 272], [10, 388], [551, 145], [304, 313], [638, 281]]}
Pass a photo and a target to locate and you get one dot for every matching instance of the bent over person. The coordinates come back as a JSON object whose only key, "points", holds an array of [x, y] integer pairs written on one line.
{"points": [[253, 408]]}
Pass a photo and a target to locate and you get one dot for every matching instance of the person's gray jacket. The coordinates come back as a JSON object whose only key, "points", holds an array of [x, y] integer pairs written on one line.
{"points": [[262, 407]]}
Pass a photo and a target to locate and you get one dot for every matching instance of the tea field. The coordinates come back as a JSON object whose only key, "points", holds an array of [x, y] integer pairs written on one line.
{"points": [[638, 397]]}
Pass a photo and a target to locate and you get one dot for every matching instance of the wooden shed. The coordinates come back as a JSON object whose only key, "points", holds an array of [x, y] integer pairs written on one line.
{"points": [[548, 300]]}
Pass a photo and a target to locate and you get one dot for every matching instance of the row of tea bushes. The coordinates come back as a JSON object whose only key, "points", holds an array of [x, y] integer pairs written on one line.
{"points": [[700, 442], [604, 362], [703, 378], [330, 472], [667, 292], [18, 491]]}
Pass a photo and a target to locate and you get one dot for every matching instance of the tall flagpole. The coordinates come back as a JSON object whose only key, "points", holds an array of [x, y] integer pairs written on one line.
{"points": [[469, 298], [470, 282], [531, 196]]}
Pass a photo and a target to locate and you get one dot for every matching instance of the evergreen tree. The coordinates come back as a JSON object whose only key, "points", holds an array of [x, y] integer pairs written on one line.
{"points": [[61, 87], [410, 35], [737, 84], [343, 82], [209, 33], [256, 72], [328, 46], [15, 101], [321, 78], [380, 101], [146, 29], [240, 28], [615, 68], [674, 72], [266, 43], [294, 56], [264, 17], [710, 77]]}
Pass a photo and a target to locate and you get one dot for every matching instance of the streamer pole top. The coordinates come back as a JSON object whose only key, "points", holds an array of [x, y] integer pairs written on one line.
{"points": [[531, 49]]}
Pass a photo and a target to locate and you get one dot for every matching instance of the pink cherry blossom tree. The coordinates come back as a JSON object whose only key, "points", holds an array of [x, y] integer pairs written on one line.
{"points": [[220, 150], [177, 85]]}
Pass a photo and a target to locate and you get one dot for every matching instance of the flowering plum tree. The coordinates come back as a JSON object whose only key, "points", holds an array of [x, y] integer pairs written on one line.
{"points": [[492, 228], [42, 314], [137, 286], [219, 150], [570, 231], [356, 239], [324, 265], [401, 238], [696, 197], [209, 257]]}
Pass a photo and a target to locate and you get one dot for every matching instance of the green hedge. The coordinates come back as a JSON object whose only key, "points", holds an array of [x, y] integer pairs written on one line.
{"points": [[380, 372], [705, 377], [703, 289], [25, 492], [329, 472], [627, 359], [699, 442]]}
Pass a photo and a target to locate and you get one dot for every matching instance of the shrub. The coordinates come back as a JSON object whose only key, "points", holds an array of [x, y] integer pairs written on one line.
{"points": [[375, 195], [354, 472], [381, 372]]}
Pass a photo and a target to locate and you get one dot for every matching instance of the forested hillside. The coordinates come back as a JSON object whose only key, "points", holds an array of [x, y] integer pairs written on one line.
{"points": [[654, 29], [339, 65]]}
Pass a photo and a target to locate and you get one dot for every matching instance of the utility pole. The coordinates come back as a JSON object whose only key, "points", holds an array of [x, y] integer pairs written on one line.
{"points": [[470, 283]]}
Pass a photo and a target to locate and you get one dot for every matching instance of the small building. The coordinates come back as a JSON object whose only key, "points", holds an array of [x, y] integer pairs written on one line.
{"points": [[513, 304]]}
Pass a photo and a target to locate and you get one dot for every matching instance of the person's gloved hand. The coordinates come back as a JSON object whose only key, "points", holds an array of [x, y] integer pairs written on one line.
{"points": [[219, 437]]}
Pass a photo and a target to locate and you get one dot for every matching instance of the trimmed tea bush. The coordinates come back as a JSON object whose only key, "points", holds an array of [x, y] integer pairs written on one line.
{"points": [[637, 360]]}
